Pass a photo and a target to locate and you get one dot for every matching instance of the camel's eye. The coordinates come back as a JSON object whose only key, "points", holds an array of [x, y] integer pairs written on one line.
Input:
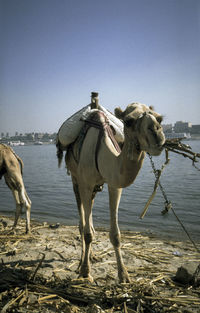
{"points": [[159, 119]]}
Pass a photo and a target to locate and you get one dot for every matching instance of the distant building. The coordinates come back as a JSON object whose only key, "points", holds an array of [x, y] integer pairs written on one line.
{"points": [[182, 127], [167, 128], [29, 136], [39, 136], [195, 129]]}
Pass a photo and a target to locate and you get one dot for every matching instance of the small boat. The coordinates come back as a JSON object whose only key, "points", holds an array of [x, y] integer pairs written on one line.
{"points": [[177, 135], [16, 143]]}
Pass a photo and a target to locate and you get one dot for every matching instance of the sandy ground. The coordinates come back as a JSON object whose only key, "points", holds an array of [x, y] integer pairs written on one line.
{"points": [[38, 272]]}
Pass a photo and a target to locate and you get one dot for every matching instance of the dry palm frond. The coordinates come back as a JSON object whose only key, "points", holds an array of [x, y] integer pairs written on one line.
{"points": [[176, 146]]}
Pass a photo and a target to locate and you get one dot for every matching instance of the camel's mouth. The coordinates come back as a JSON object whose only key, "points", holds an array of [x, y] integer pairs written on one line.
{"points": [[153, 144], [156, 149]]}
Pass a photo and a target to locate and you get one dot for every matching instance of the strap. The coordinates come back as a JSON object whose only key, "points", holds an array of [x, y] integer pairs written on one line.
{"points": [[101, 122], [103, 127]]}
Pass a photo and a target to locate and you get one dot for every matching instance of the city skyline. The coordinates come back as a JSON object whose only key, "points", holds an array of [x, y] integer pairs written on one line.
{"points": [[16, 133], [54, 54], [13, 133]]}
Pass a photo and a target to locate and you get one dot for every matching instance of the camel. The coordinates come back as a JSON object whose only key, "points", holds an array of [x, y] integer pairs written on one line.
{"points": [[99, 162], [11, 167]]}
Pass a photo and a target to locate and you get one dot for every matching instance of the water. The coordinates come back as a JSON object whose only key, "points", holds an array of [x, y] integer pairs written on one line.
{"points": [[50, 190]]}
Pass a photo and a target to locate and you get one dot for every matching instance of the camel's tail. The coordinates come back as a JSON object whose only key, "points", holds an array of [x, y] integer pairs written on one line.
{"points": [[59, 152]]}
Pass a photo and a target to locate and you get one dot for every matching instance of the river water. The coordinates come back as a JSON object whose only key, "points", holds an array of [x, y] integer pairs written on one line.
{"points": [[50, 190]]}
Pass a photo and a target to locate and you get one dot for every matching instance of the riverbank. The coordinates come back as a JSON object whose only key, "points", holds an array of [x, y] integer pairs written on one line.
{"points": [[38, 272]]}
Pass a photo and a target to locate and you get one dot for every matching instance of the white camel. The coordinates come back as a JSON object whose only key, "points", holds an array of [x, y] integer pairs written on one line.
{"points": [[11, 167], [98, 162]]}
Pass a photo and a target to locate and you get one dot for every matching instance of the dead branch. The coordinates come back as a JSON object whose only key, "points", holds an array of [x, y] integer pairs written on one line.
{"points": [[176, 146], [37, 268]]}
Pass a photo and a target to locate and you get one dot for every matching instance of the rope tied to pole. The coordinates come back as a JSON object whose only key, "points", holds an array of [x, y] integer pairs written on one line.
{"points": [[157, 174]]}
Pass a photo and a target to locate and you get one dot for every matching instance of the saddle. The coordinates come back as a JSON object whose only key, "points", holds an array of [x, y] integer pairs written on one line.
{"points": [[99, 120]]}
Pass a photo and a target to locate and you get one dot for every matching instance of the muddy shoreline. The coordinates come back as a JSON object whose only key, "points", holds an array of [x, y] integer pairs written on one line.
{"points": [[38, 272]]}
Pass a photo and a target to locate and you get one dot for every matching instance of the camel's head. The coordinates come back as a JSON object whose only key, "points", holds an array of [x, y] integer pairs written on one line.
{"points": [[142, 127]]}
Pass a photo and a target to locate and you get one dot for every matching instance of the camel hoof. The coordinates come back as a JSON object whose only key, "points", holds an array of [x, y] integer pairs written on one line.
{"points": [[13, 230], [86, 279], [124, 278], [94, 258]]}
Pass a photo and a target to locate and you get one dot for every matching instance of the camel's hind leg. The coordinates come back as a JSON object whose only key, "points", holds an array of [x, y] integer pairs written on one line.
{"points": [[114, 199], [93, 258], [26, 202], [21, 199], [18, 207], [28, 212], [15, 193], [82, 220]]}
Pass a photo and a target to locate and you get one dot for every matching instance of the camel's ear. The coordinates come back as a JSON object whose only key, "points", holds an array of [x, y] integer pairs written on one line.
{"points": [[151, 108], [119, 113]]}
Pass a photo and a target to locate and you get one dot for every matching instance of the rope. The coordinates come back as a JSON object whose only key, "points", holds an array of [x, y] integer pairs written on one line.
{"points": [[157, 183], [168, 204]]}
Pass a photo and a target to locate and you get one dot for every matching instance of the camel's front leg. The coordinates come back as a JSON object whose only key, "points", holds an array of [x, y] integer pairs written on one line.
{"points": [[86, 197], [114, 199]]}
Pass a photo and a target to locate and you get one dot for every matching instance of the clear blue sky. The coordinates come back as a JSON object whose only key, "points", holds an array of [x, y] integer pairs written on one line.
{"points": [[55, 52]]}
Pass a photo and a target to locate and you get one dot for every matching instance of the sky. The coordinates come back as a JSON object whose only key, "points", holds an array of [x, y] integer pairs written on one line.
{"points": [[54, 53]]}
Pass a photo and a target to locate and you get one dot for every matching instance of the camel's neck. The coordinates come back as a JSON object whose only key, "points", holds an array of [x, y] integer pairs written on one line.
{"points": [[130, 162], [120, 171]]}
